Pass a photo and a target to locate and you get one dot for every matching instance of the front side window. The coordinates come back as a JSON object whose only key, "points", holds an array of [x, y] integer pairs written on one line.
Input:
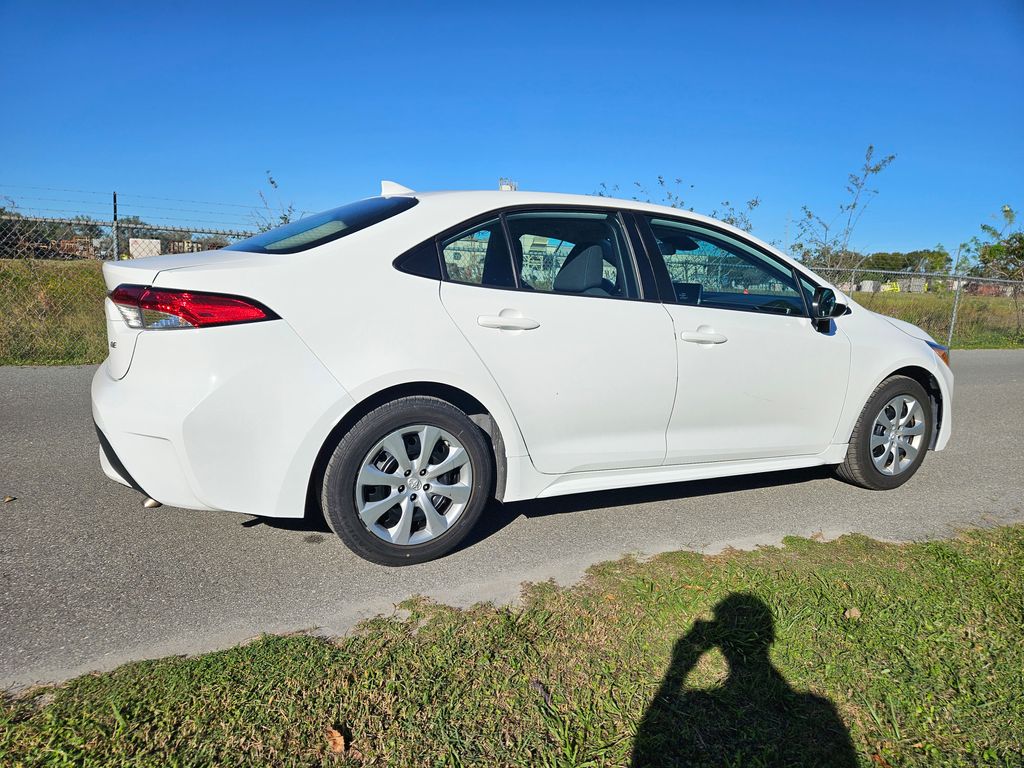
{"points": [[572, 252], [709, 269], [320, 228]]}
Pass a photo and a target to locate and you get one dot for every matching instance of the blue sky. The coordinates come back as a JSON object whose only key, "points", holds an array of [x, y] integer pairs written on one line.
{"points": [[196, 101]]}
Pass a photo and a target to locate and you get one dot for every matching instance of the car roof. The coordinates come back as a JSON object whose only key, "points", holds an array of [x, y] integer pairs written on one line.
{"points": [[492, 199]]}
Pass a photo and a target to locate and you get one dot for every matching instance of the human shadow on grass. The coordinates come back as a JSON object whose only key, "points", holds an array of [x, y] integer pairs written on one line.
{"points": [[753, 718]]}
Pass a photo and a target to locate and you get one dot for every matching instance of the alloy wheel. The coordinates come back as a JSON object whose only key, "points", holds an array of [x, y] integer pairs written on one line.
{"points": [[413, 485], [898, 434]]}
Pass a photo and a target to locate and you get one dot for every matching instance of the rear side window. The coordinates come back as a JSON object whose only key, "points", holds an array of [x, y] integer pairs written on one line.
{"points": [[479, 256], [569, 252], [324, 227], [574, 252]]}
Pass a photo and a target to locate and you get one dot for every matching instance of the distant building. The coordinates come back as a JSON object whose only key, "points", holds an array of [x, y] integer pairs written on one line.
{"points": [[989, 289], [75, 248], [184, 246], [140, 247]]}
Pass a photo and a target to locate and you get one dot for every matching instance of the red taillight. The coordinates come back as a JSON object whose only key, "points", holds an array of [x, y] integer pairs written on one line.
{"points": [[165, 308]]}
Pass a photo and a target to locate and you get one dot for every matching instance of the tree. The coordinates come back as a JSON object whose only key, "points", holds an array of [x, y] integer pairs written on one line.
{"points": [[671, 195], [85, 226], [211, 242], [825, 242], [11, 228], [936, 259], [1001, 256], [27, 237], [739, 218], [269, 215]]}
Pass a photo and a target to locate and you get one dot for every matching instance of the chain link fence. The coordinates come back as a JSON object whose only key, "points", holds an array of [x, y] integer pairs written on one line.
{"points": [[958, 310], [51, 286]]}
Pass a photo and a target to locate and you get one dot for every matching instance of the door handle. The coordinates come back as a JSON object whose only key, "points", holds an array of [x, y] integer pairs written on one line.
{"points": [[703, 337], [507, 322]]}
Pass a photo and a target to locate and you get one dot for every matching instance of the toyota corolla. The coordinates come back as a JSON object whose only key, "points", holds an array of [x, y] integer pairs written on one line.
{"points": [[404, 359]]}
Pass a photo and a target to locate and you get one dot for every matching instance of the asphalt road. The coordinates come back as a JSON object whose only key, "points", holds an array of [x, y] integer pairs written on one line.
{"points": [[89, 580]]}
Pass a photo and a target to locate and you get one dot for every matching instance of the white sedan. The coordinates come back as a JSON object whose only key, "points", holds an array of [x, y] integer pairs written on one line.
{"points": [[403, 359]]}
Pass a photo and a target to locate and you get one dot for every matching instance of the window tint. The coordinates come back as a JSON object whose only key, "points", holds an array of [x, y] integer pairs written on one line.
{"points": [[479, 256], [321, 228], [572, 252], [421, 261], [714, 270]]}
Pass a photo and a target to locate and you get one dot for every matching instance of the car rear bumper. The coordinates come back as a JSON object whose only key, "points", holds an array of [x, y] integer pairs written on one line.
{"points": [[228, 418], [112, 465]]}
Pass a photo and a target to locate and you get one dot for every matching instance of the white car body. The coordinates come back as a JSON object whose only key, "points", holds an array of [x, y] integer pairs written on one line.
{"points": [[603, 394]]}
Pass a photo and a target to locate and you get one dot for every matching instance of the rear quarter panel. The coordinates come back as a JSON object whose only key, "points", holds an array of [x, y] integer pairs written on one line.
{"points": [[370, 325]]}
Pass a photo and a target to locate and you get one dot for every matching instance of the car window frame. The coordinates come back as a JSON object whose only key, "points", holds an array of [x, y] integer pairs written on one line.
{"points": [[664, 279], [635, 255], [629, 255], [474, 225], [403, 262]]}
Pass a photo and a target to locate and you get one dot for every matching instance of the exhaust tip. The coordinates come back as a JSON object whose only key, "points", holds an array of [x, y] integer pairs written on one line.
{"points": [[149, 503]]}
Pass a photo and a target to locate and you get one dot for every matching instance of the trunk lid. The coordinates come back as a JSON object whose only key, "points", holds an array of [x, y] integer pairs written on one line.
{"points": [[144, 271], [120, 338]]}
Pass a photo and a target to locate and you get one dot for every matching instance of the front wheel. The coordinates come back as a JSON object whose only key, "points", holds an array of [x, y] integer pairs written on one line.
{"points": [[407, 482], [891, 436]]}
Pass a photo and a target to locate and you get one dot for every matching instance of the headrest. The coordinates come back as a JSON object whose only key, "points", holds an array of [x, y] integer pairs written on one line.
{"points": [[582, 272]]}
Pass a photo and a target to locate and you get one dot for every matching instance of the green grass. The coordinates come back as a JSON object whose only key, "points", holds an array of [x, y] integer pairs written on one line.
{"points": [[51, 312], [929, 673], [988, 322]]}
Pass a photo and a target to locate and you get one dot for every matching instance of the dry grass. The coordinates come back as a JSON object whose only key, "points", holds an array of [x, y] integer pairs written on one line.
{"points": [[982, 321], [51, 312]]}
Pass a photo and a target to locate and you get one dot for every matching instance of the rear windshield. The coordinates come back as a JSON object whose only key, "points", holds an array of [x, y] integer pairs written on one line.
{"points": [[323, 227]]}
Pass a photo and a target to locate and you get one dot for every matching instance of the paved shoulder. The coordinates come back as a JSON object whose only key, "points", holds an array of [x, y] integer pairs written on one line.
{"points": [[89, 580]]}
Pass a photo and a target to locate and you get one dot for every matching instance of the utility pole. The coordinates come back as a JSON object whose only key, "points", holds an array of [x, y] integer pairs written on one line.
{"points": [[956, 296], [113, 229]]}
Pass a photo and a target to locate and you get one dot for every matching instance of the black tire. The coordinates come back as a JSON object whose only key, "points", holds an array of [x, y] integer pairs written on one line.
{"points": [[339, 487], [859, 469]]}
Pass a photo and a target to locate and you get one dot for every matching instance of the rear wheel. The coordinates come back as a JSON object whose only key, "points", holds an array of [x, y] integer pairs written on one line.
{"points": [[891, 436], [408, 481]]}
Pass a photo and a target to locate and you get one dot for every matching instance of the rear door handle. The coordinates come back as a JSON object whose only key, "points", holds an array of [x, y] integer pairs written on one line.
{"points": [[507, 322], [703, 337]]}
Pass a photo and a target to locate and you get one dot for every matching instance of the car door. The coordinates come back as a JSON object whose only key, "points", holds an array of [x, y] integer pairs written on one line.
{"points": [[755, 379], [550, 301]]}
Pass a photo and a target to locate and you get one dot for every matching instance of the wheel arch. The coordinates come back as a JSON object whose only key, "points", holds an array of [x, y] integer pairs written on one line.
{"points": [[930, 383], [470, 405], [926, 379]]}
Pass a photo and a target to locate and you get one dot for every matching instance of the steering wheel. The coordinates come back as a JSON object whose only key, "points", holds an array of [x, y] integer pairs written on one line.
{"points": [[782, 304]]}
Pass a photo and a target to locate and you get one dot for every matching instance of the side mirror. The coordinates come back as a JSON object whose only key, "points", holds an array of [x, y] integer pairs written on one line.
{"points": [[825, 306]]}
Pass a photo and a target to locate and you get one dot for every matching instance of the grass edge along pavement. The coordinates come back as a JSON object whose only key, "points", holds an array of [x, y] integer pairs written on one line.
{"points": [[839, 653]]}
